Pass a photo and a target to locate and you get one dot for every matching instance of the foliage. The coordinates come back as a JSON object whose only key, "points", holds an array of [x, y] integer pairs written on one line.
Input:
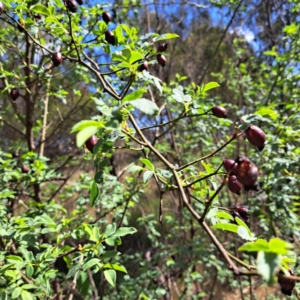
{"points": [[144, 213]]}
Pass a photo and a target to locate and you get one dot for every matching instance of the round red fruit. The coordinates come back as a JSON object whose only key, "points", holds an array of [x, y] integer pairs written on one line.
{"points": [[219, 112], [25, 169], [110, 37], [286, 285], [71, 5], [246, 171], [161, 59], [57, 59], [143, 67], [230, 165], [162, 48], [14, 93], [256, 136], [234, 185], [1, 8], [106, 17], [91, 142]]}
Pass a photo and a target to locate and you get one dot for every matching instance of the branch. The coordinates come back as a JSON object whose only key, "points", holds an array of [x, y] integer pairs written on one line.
{"points": [[44, 128]]}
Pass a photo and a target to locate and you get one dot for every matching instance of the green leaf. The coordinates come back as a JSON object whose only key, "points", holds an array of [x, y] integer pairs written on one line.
{"points": [[224, 215], [267, 111], [227, 227], [147, 176], [210, 86], [109, 254], [244, 234], [40, 9], [16, 293], [29, 271], [134, 169], [291, 29], [113, 241], [267, 265], [124, 231], [28, 286], [119, 34], [14, 259], [276, 245], [147, 163], [180, 97], [110, 230], [110, 276], [91, 263], [85, 134], [94, 192], [271, 53], [243, 224], [134, 95], [26, 295], [87, 228], [96, 233], [73, 270], [212, 213], [154, 80], [99, 177], [86, 123], [115, 267], [165, 36], [135, 56], [259, 245], [144, 105]]}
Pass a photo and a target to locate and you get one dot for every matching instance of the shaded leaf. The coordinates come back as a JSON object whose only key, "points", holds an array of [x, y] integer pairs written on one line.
{"points": [[94, 192], [110, 276], [267, 265], [147, 176], [91, 263], [144, 105], [124, 231]]}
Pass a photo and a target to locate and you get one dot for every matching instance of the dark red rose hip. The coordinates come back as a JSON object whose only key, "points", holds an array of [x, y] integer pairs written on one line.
{"points": [[256, 136], [106, 17], [286, 285], [110, 37], [14, 93], [161, 59], [162, 48], [143, 66], [71, 5], [234, 185], [57, 59], [230, 165], [91, 142], [1, 8], [246, 171], [25, 169], [243, 211], [219, 112]]}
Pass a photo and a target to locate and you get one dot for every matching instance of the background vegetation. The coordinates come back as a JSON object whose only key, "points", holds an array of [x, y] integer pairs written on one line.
{"points": [[148, 214]]}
